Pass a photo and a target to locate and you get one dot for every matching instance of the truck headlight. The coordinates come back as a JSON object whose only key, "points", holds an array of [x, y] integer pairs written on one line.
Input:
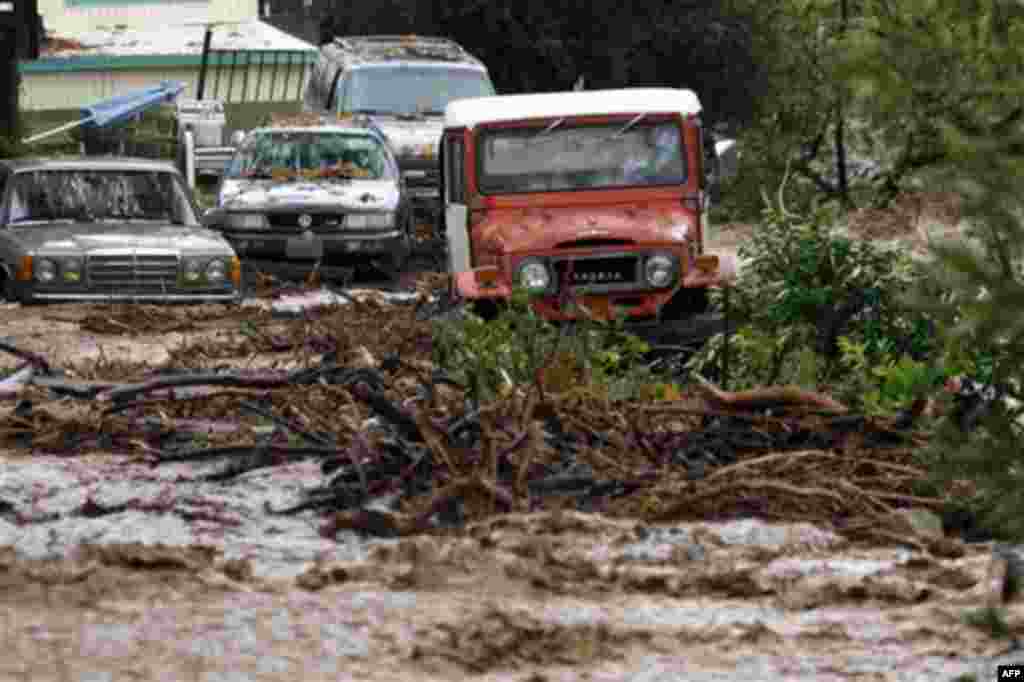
{"points": [[247, 221], [369, 221], [216, 271], [192, 270], [660, 270], [71, 269], [45, 270], [534, 275]]}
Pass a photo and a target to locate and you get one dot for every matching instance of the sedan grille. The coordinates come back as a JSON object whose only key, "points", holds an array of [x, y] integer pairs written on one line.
{"points": [[133, 273], [290, 221], [600, 271]]}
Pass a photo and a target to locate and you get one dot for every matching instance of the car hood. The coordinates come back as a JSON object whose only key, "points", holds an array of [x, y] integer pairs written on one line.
{"points": [[542, 229], [90, 238], [406, 136], [354, 195]]}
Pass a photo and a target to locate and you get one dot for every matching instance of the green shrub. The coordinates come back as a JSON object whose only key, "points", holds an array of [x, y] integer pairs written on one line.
{"points": [[509, 350], [820, 308]]}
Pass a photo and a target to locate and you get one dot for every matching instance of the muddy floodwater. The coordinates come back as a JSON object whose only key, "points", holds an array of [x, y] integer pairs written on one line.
{"points": [[113, 568]]}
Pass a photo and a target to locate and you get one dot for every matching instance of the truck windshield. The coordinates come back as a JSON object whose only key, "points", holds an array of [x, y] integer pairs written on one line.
{"points": [[410, 90], [310, 154], [579, 157], [91, 196]]}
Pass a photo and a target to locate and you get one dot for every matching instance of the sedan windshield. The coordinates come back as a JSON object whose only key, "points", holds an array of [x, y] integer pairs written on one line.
{"points": [[577, 157], [410, 90], [91, 195], [285, 154]]}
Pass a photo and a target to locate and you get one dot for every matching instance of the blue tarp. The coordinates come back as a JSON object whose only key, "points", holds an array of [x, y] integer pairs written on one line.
{"points": [[118, 109], [123, 107]]}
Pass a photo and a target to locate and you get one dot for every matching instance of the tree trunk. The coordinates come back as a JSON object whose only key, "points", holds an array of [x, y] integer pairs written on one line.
{"points": [[842, 182]]}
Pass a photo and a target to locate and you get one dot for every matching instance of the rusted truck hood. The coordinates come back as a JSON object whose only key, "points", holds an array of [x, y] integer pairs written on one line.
{"points": [[354, 195], [90, 238], [543, 229]]}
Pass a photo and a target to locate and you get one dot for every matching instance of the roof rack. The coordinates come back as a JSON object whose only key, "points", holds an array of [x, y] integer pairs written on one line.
{"points": [[429, 47]]}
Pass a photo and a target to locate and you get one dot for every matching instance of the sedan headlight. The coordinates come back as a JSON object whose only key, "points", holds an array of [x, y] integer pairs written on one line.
{"points": [[660, 270], [216, 271], [247, 221], [533, 275], [369, 221], [45, 270], [71, 269], [192, 269]]}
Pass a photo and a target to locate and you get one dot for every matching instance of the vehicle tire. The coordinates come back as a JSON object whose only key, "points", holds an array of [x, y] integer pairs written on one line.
{"points": [[686, 303], [399, 259]]}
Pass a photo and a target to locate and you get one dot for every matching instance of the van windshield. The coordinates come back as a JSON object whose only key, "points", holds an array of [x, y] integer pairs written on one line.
{"points": [[553, 158], [410, 90]]}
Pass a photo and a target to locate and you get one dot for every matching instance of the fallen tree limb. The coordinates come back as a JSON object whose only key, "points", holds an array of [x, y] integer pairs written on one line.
{"points": [[13, 385], [287, 424], [768, 396], [234, 450], [34, 359]]}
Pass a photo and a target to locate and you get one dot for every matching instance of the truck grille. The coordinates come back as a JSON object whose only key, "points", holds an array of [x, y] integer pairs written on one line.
{"points": [[290, 221], [600, 271], [133, 273]]}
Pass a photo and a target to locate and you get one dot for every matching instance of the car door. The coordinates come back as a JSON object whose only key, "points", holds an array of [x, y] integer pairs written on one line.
{"points": [[456, 213]]}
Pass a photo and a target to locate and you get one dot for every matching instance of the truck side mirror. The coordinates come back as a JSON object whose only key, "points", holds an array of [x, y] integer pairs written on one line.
{"points": [[728, 155]]}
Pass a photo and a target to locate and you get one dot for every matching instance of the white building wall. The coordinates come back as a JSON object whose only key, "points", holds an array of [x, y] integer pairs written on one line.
{"points": [[74, 89], [64, 20]]}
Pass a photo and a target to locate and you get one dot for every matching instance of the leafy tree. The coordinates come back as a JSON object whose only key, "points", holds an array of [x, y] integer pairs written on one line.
{"points": [[803, 121], [951, 75]]}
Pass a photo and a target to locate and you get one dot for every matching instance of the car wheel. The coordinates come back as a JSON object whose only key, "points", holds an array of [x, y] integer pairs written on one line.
{"points": [[401, 256]]}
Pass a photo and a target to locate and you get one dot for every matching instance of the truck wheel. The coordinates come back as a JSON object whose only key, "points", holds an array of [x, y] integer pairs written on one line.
{"points": [[398, 259], [686, 303]]}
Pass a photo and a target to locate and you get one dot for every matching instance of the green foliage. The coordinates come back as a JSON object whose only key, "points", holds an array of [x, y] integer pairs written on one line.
{"points": [[989, 620], [952, 72], [819, 308], [491, 355], [894, 384]]}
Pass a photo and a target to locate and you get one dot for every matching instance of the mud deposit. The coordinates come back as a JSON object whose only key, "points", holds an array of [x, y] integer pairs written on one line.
{"points": [[115, 567], [550, 596]]}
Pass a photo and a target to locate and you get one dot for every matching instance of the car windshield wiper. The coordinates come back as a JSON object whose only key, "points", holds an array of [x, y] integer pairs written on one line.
{"points": [[411, 116], [547, 131], [622, 131]]}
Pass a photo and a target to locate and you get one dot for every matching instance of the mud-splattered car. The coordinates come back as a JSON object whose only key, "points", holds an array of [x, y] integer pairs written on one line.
{"points": [[306, 193], [598, 194], [99, 229]]}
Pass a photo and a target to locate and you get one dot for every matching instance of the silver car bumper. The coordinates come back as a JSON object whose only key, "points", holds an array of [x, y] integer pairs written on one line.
{"points": [[137, 298]]}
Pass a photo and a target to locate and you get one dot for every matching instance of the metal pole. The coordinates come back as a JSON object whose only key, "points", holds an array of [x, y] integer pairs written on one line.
{"points": [[204, 62], [725, 341]]}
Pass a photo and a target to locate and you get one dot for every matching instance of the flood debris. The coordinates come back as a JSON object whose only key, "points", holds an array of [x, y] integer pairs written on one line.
{"points": [[403, 449]]}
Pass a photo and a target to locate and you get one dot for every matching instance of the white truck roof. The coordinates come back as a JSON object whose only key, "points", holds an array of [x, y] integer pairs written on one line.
{"points": [[472, 112]]}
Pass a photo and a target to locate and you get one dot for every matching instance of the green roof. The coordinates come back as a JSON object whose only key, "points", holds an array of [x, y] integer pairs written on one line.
{"points": [[123, 62]]}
